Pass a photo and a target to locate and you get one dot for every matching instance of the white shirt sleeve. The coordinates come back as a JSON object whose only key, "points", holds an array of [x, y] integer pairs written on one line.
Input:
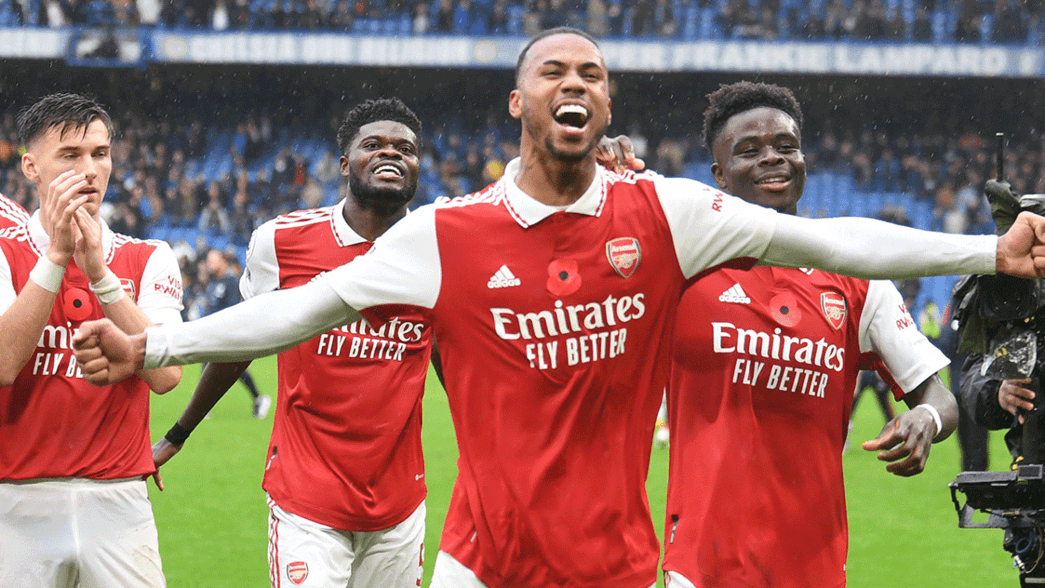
{"points": [[887, 329], [403, 266], [7, 289], [261, 326], [710, 227], [161, 287], [867, 248], [261, 273]]}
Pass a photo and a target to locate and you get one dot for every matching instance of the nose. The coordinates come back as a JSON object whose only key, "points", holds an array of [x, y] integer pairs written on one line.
{"points": [[88, 167], [390, 150], [573, 82], [771, 156]]}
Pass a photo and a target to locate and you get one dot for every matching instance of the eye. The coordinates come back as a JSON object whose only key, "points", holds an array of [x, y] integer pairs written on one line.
{"points": [[408, 149]]}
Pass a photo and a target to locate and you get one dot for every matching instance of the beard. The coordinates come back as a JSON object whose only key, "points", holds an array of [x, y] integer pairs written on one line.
{"points": [[369, 195]]}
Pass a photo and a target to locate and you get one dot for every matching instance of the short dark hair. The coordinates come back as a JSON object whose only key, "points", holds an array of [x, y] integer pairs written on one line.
{"points": [[545, 34], [371, 111], [730, 100], [66, 111]]}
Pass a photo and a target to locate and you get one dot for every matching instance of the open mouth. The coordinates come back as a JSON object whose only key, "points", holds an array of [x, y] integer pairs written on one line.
{"points": [[774, 183], [387, 171], [572, 115]]}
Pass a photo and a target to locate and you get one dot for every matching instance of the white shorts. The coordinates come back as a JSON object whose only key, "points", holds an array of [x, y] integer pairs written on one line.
{"points": [[78, 532], [450, 573], [676, 580], [305, 553]]}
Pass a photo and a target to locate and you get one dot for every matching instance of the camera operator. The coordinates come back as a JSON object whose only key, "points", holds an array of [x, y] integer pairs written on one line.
{"points": [[996, 404], [1003, 321]]}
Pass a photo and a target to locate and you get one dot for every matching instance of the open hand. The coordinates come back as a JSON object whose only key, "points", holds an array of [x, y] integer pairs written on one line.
{"points": [[909, 438]]}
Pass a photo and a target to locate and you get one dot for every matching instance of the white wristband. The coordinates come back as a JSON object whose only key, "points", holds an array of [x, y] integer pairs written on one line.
{"points": [[47, 274], [936, 417], [108, 289]]}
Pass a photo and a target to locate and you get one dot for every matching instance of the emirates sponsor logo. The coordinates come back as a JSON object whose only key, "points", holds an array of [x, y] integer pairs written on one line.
{"points": [[624, 254], [834, 307], [729, 338], [297, 571], [503, 278], [734, 295]]}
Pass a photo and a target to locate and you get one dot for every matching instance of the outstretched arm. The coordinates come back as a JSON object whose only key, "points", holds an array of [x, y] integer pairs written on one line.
{"points": [[869, 249], [906, 440], [261, 326]]}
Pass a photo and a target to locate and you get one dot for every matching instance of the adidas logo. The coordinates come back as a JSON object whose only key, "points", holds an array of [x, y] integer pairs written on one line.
{"points": [[735, 294], [504, 278]]}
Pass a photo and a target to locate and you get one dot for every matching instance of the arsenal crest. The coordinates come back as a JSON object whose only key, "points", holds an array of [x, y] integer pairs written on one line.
{"points": [[624, 255], [297, 572], [834, 307], [128, 289]]}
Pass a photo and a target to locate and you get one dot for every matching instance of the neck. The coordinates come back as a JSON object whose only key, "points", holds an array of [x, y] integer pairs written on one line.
{"points": [[371, 221], [550, 180]]}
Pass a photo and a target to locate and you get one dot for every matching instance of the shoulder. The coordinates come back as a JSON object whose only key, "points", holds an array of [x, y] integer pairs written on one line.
{"points": [[300, 218], [494, 194]]}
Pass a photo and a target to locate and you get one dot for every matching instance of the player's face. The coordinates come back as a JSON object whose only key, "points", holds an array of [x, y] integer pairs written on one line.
{"points": [[562, 96], [85, 153], [382, 164], [758, 157]]}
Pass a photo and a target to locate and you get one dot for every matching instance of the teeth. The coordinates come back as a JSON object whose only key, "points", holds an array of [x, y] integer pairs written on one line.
{"points": [[572, 109], [387, 168]]}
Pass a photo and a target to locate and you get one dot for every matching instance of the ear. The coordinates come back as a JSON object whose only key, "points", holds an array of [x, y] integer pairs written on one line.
{"points": [[609, 112], [720, 178], [29, 168], [344, 166], [515, 104]]}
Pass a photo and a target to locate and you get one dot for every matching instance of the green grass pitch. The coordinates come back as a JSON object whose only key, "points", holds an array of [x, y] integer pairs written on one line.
{"points": [[212, 517]]}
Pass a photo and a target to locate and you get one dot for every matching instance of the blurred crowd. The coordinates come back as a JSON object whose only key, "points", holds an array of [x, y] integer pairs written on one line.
{"points": [[188, 162], [973, 21]]}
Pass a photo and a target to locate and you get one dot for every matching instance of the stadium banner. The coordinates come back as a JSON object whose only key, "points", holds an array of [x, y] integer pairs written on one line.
{"points": [[292, 48], [621, 55], [33, 43]]}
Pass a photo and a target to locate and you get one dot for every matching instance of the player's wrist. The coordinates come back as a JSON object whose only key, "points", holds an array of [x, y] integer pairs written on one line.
{"points": [[108, 289], [47, 274], [177, 435], [935, 414]]}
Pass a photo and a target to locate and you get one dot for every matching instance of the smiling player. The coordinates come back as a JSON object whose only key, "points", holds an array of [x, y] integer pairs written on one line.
{"points": [[764, 366], [344, 472]]}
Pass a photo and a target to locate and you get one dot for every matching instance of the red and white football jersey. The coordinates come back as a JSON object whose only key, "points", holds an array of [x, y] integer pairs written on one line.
{"points": [[346, 444], [52, 422], [764, 367], [552, 327], [11, 213]]}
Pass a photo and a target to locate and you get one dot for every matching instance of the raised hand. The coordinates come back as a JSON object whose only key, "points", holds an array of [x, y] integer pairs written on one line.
{"points": [[89, 254], [618, 154], [58, 208]]}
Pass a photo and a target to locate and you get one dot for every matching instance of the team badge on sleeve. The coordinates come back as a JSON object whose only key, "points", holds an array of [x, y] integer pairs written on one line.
{"points": [[624, 254], [834, 307], [297, 571], [129, 289]]}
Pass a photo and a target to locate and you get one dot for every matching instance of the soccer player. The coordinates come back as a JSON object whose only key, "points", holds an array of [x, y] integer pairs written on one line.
{"points": [[764, 367], [11, 213], [345, 472], [73, 504], [551, 293], [222, 292]]}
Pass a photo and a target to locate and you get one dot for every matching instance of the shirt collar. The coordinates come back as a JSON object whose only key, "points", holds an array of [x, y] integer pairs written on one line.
{"points": [[41, 240], [528, 211], [342, 231]]}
